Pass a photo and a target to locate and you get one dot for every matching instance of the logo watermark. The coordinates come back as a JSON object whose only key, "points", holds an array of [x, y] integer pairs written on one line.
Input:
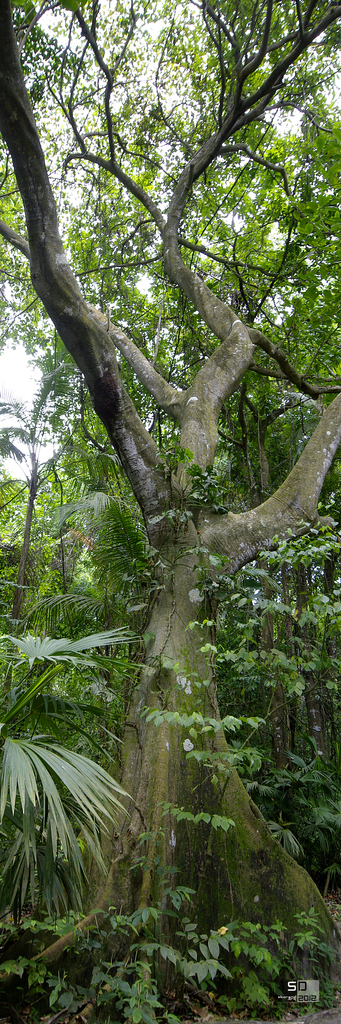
{"points": [[302, 991]]}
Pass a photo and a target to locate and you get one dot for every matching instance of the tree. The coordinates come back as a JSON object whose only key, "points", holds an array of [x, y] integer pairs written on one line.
{"points": [[28, 428], [238, 65]]}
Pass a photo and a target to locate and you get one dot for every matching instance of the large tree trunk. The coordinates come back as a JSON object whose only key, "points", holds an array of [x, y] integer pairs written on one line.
{"points": [[243, 873]]}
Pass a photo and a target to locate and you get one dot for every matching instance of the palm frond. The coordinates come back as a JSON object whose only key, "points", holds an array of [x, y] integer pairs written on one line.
{"points": [[92, 789], [92, 504], [31, 775], [121, 545], [58, 607], [8, 449], [18, 703], [121, 549], [286, 837], [12, 406], [59, 881], [64, 650]]}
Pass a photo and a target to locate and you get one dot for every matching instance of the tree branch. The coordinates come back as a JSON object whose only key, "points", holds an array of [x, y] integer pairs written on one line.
{"points": [[252, 64], [292, 507], [300, 20], [281, 358], [38, 14], [168, 398], [322, 389], [214, 383], [11, 236], [246, 110], [78, 324], [240, 147], [135, 190]]}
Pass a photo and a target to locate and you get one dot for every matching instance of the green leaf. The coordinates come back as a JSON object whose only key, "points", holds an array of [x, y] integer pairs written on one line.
{"points": [[31, 692], [70, 5], [219, 821], [213, 946], [204, 950], [201, 970], [48, 649]]}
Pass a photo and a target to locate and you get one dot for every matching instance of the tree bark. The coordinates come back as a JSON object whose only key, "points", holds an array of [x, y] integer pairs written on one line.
{"points": [[312, 694], [239, 873]]}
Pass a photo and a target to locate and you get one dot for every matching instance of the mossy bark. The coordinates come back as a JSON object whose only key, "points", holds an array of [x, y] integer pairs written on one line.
{"points": [[242, 873]]}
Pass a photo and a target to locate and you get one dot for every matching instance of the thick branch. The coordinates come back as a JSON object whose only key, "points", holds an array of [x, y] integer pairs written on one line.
{"points": [[216, 381], [281, 358], [168, 398], [198, 408], [11, 236], [252, 64], [291, 507], [80, 327]]}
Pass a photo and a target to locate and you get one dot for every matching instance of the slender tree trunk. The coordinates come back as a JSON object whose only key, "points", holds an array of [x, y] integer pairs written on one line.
{"points": [[292, 717], [314, 707], [20, 584], [278, 714], [278, 708]]}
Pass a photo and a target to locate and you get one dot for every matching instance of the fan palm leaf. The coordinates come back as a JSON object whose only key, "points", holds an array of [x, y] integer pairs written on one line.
{"points": [[53, 789], [64, 650], [24, 765]]}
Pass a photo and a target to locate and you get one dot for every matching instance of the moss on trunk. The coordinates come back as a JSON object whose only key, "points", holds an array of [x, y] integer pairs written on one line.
{"points": [[242, 873]]}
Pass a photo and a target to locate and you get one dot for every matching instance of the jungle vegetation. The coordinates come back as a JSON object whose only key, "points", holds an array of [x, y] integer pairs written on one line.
{"points": [[170, 592]]}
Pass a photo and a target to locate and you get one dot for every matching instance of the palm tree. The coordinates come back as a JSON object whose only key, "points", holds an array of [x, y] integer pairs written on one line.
{"points": [[123, 579], [50, 795], [23, 439]]}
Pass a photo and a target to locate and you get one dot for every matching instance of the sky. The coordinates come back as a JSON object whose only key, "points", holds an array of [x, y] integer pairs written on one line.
{"points": [[18, 379], [16, 375]]}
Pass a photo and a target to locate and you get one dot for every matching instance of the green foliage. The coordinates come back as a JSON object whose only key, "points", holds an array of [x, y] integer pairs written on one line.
{"points": [[215, 820], [50, 795], [93, 567], [198, 728], [118, 567], [245, 964], [257, 599], [302, 804]]}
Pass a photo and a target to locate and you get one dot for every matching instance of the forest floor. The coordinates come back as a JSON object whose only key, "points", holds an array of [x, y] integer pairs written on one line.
{"points": [[204, 1009], [201, 1008], [294, 1014]]}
